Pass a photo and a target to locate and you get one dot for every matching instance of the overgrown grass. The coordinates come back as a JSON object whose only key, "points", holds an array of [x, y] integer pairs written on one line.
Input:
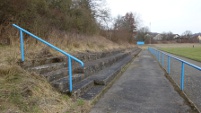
{"points": [[25, 92], [187, 51]]}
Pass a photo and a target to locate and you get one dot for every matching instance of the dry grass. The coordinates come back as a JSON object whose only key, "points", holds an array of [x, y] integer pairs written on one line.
{"points": [[81, 43], [24, 92]]}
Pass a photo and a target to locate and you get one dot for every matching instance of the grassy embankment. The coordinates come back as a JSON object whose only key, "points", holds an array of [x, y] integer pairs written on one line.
{"points": [[185, 50], [26, 92]]}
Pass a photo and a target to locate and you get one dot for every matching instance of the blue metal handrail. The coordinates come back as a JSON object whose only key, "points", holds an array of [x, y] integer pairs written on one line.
{"points": [[158, 53], [21, 30]]}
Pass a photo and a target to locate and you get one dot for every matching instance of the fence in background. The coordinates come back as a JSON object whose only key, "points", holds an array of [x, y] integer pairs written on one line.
{"points": [[70, 57], [163, 57], [183, 73]]}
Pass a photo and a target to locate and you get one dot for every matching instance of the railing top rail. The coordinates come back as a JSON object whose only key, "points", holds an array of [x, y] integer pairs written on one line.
{"points": [[190, 64], [50, 45]]}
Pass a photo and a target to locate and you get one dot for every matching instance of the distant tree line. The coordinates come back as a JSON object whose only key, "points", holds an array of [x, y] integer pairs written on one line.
{"points": [[73, 16]]}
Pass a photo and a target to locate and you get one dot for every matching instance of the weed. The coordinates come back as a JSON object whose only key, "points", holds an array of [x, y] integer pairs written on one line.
{"points": [[80, 102]]}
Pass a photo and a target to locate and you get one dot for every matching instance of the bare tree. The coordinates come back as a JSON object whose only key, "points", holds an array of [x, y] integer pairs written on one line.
{"points": [[187, 34], [166, 36], [125, 27], [142, 34]]}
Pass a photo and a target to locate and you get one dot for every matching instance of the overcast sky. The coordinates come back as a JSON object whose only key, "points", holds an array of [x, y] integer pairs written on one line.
{"points": [[164, 15]]}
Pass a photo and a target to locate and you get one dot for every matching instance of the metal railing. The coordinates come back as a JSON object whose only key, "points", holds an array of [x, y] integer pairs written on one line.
{"points": [[160, 57], [70, 57]]}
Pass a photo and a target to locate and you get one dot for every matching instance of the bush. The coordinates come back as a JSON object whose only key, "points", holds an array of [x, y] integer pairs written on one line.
{"points": [[41, 16]]}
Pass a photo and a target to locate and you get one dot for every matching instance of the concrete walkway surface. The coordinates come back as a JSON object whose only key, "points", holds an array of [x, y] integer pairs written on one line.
{"points": [[142, 88]]}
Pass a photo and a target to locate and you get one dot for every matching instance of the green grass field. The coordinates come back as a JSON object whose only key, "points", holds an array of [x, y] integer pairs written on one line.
{"points": [[185, 51]]}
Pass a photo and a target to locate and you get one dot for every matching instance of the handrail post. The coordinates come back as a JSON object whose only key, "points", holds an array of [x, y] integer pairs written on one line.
{"points": [[22, 45], [182, 76], [162, 60], [159, 58], [70, 74], [168, 64], [156, 54]]}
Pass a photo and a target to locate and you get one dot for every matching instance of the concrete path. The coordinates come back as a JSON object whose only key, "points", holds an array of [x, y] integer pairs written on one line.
{"points": [[143, 88]]}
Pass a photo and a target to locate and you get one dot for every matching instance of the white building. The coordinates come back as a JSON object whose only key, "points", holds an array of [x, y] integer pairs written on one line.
{"points": [[158, 37], [199, 37]]}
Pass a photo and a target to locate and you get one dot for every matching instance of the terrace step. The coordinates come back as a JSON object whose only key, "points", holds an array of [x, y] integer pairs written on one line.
{"points": [[92, 85], [47, 67], [39, 62], [93, 92], [60, 78], [90, 67], [82, 56], [54, 63], [104, 77], [99, 70]]}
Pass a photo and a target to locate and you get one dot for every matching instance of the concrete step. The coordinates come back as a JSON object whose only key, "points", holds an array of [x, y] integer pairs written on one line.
{"points": [[39, 62], [102, 78], [90, 67], [97, 65], [93, 92], [81, 87], [60, 79], [60, 73], [54, 63], [62, 84], [89, 84], [47, 67], [82, 56]]}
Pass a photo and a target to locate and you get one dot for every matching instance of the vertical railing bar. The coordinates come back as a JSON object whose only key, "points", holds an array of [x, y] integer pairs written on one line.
{"points": [[70, 74], [182, 76], [169, 65], [162, 59], [22, 45], [159, 57]]}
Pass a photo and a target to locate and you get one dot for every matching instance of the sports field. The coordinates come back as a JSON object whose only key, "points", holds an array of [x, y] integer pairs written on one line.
{"points": [[191, 51]]}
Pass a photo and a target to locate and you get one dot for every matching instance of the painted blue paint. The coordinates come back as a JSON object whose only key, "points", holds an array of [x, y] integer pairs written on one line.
{"points": [[159, 57], [22, 45], [182, 76], [140, 43], [162, 60], [70, 57], [70, 74], [168, 64]]}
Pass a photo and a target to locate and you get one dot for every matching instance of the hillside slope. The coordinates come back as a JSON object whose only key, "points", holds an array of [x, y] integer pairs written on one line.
{"points": [[25, 92]]}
